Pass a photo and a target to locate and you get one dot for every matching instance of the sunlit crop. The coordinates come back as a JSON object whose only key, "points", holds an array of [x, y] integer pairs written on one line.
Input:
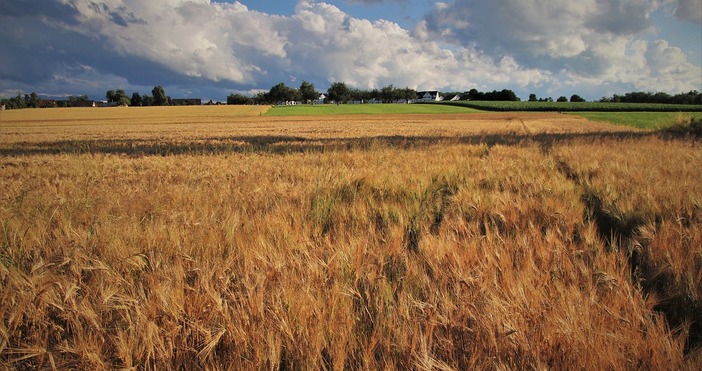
{"points": [[368, 242]]}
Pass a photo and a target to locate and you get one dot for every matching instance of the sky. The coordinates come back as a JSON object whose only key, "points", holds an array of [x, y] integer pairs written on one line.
{"points": [[210, 49]]}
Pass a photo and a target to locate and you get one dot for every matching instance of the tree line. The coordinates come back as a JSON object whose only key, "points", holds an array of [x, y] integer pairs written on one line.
{"points": [[158, 97], [338, 92], [26, 101], [562, 98], [691, 97], [116, 97]]}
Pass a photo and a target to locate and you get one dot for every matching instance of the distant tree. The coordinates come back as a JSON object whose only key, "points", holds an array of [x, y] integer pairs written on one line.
{"points": [[239, 99], [532, 97], [118, 96], [136, 100], [160, 97], [473, 94], [33, 100], [374, 94], [388, 94], [281, 93], [307, 92], [147, 100], [339, 92], [407, 94], [692, 97], [576, 98], [508, 95], [16, 102], [78, 98], [503, 95], [121, 98], [357, 94], [260, 98], [562, 99], [294, 95]]}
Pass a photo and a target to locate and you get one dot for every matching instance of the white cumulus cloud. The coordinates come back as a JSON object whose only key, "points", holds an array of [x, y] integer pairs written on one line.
{"points": [[220, 41], [599, 41]]}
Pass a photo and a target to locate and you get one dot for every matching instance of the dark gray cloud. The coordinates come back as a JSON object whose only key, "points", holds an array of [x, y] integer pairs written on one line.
{"points": [[36, 8], [120, 15], [689, 10]]}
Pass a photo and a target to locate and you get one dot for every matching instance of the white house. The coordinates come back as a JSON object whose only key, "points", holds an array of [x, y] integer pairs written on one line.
{"points": [[320, 100], [428, 96]]}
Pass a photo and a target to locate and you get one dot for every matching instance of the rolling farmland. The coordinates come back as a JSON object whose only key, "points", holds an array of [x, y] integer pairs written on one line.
{"points": [[218, 237]]}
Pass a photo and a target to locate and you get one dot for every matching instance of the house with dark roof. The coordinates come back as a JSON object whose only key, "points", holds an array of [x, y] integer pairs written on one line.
{"points": [[428, 96]]}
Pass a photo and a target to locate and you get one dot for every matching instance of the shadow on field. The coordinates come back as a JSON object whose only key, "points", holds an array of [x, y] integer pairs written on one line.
{"points": [[621, 234], [290, 144]]}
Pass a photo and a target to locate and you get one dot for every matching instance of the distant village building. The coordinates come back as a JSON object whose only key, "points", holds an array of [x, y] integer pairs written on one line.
{"points": [[428, 96], [320, 100]]}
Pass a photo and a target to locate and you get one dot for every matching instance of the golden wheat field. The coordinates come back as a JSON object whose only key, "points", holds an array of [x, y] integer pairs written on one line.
{"points": [[217, 238]]}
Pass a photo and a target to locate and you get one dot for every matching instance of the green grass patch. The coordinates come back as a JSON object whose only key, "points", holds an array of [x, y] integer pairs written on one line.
{"points": [[358, 109], [574, 106], [642, 120]]}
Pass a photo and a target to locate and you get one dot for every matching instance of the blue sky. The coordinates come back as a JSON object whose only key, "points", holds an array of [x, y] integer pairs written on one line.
{"points": [[404, 12], [209, 49]]}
